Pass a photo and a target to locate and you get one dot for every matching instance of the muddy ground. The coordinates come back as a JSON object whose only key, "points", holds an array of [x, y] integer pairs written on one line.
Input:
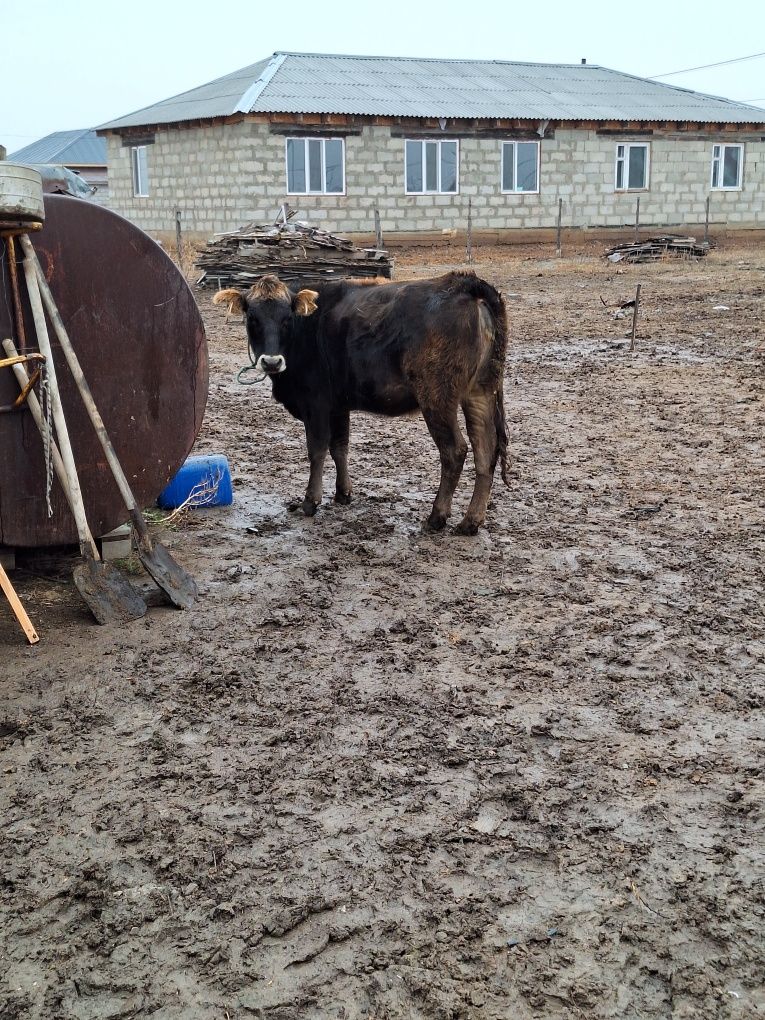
{"points": [[380, 773]]}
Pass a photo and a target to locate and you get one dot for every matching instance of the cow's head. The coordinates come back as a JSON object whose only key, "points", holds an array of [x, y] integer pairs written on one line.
{"points": [[268, 307]]}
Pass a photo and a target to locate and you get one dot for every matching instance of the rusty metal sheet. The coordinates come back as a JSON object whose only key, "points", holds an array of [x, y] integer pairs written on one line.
{"points": [[139, 336]]}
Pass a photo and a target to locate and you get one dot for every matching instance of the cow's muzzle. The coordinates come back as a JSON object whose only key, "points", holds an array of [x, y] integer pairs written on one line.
{"points": [[271, 364]]}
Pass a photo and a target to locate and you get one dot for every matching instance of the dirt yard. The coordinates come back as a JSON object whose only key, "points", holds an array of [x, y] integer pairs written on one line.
{"points": [[385, 774]]}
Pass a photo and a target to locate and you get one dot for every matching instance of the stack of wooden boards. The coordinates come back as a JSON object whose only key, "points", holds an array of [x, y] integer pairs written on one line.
{"points": [[294, 251], [658, 247]]}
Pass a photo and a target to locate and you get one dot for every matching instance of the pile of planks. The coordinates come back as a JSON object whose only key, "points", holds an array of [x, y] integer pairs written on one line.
{"points": [[292, 250], [658, 247]]}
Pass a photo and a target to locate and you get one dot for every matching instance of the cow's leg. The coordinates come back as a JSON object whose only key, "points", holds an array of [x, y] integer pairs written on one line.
{"points": [[452, 448], [482, 431], [317, 441], [339, 437]]}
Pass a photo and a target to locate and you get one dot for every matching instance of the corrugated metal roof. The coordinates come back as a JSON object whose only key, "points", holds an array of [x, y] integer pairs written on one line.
{"points": [[69, 148], [410, 87], [217, 98]]}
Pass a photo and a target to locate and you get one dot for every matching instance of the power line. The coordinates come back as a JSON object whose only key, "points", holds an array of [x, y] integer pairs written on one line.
{"points": [[705, 67]]}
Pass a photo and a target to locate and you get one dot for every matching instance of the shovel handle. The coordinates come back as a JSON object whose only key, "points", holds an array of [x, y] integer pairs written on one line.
{"points": [[18, 610], [87, 545], [34, 406], [82, 384]]}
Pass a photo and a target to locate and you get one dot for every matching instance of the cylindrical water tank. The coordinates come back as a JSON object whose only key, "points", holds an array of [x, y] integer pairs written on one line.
{"points": [[138, 333]]}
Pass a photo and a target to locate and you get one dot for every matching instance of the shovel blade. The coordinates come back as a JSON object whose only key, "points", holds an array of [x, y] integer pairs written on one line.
{"points": [[107, 593], [179, 586]]}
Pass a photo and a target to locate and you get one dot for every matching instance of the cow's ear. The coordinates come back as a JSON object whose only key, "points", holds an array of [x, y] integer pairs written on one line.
{"points": [[233, 298], [304, 302]]}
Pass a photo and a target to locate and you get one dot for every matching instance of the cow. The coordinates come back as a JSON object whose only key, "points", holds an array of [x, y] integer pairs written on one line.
{"points": [[390, 349]]}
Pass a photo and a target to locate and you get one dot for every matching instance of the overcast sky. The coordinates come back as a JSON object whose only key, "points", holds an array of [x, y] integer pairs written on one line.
{"points": [[71, 64]]}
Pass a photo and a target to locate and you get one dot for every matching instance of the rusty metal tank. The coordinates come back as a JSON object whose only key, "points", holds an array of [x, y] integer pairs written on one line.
{"points": [[140, 338]]}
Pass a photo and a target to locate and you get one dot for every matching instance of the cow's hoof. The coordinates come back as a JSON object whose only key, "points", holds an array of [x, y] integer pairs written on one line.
{"points": [[343, 498], [309, 507], [436, 522], [466, 527]]}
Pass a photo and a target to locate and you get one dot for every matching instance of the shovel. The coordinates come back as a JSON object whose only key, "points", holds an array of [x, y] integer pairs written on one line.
{"points": [[177, 584], [83, 578], [107, 593]]}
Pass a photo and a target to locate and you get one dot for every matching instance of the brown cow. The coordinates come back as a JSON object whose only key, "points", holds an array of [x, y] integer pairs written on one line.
{"points": [[389, 349]]}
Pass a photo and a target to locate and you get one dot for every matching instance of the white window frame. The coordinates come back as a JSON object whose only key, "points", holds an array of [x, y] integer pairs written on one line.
{"points": [[514, 142], [720, 148], [140, 179], [314, 138], [625, 159], [438, 142]]}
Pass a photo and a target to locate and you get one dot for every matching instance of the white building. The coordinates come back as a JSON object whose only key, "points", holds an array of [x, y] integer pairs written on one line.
{"points": [[338, 136]]}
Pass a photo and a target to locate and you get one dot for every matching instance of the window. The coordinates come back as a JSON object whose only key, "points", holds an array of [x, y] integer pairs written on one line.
{"points": [[727, 164], [520, 166], [140, 171], [632, 166], [315, 166], [431, 167]]}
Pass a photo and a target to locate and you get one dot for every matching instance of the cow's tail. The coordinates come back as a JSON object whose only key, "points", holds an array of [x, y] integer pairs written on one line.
{"points": [[500, 424], [494, 367]]}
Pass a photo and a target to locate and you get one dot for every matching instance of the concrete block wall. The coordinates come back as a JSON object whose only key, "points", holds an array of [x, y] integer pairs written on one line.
{"points": [[223, 176]]}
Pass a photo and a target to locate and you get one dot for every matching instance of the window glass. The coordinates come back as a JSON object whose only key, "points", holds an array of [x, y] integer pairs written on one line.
{"points": [[414, 166], [431, 166], [314, 164], [296, 165], [449, 166], [333, 157], [508, 177], [620, 173], [731, 162], [526, 159], [140, 171], [637, 165]]}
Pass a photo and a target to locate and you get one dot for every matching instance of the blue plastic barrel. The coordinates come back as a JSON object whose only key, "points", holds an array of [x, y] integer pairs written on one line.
{"points": [[206, 479]]}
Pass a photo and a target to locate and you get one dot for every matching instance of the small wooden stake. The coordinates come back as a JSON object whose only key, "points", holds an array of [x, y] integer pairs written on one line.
{"points": [[178, 235], [706, 224], [470, 231], [637, 217], [635, 315], [378, 230], [18, 610], [558, 249]]}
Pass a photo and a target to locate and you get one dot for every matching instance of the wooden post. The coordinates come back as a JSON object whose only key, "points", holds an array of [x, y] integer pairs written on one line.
{"points": [[178, 240], [635, 315], [470, 231], [637, 218], [378, 230], [706, 224], [558, 248]]}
